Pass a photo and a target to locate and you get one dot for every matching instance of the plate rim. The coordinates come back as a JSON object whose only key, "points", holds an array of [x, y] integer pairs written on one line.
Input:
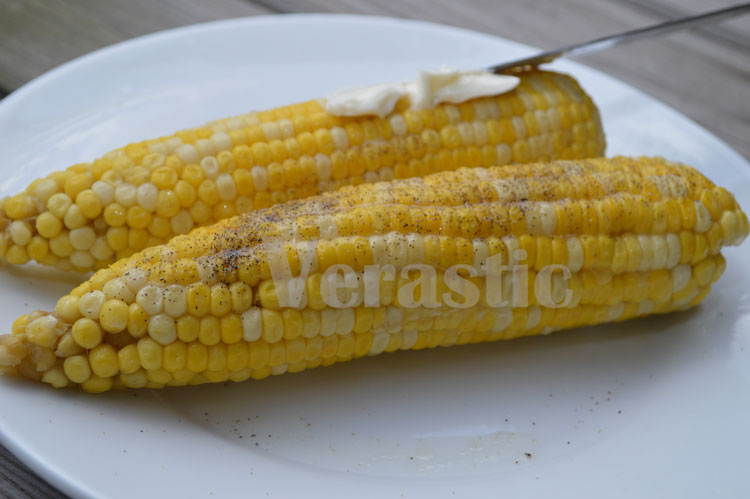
{"points": [[47, 470]]}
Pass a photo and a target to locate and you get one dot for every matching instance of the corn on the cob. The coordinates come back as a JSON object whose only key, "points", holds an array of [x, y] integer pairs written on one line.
{"points": [[638, 236], [143, 194]]}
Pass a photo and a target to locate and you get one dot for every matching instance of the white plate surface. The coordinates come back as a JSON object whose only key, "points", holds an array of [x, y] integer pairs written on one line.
{"points": [[655, 407]]}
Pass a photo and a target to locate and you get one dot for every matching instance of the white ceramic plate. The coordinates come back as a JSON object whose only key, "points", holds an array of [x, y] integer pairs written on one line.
{"points": [[653, 407]]}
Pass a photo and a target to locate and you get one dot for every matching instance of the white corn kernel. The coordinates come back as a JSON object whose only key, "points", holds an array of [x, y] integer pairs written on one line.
{"points": [[467, 134], [74, 218], [56, 377], [480, 133], [225, 186], [681, 276], [615, 311], [661, 251], [81, 259], [386, 174], [162, 329], [503, 319], [104, 191], [519, 126], [270, 130], [575, 254], [323, 164], [454, 114], [394, 318], [534, 317], [147, 195], [58, 204], [20, 232], [187, 152], [396, 249], [647, 252], [504, 154], [150, 297], [344, 321], [378, 248], [125, 194], [90, 304], [415, 248], [82, 238], [252, 324], [117, 289], [182, 222], [210, 167], [260, 179], [528, 102], [205, 147], [280, 369], [43, 331], [221, 141], [702, 217], [100, 249], [158, 148], [379, 343], [45, 189], [175, 304], [645, 307], [135, 279], [674, 249], [172, 144], [286, 128], [410, 338], [398, 125], [327, 321]]}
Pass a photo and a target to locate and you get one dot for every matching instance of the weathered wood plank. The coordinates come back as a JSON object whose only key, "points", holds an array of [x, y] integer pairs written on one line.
{"points": [[18, 482], [732, 32], [37, 35]]}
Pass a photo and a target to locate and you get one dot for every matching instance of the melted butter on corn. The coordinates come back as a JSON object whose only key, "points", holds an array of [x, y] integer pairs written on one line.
{"points": [[92, 214], [430, 89]]}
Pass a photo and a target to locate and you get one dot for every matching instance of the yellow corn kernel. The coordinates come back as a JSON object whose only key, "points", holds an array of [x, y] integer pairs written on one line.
{"points": [[238, 356], [197, 357], [198, 299], [221, 300], [113, 316], [77, 368], [231, 329], [188, 328], [209, 332], [217, 357], [104, 361], [128, 359], [87, 333], [174, 356], [149, 353]]}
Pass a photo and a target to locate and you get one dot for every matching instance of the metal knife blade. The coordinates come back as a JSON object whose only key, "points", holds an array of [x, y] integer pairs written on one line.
{"points": [[617, 39]]}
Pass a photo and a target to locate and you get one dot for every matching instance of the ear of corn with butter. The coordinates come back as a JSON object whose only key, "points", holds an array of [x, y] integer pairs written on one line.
{"points": [[141, 195]]}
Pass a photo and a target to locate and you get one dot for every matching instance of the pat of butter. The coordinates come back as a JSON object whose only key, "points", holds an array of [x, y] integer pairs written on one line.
{"points": [[431, 89], [377, 99]]}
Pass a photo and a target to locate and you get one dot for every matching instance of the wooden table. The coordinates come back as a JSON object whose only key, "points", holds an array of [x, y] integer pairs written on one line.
{"points": [[704, 73]]}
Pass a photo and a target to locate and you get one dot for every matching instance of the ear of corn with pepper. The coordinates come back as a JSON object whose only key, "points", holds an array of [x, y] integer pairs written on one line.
{"points": [[638, 237]]}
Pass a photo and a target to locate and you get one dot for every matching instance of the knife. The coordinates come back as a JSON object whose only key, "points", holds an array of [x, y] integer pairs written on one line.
{"points": [[620, 38]]}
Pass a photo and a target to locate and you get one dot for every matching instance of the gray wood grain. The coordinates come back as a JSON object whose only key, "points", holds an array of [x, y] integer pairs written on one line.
{"points": [[18, 482], [704, 73], [37, 35]]}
